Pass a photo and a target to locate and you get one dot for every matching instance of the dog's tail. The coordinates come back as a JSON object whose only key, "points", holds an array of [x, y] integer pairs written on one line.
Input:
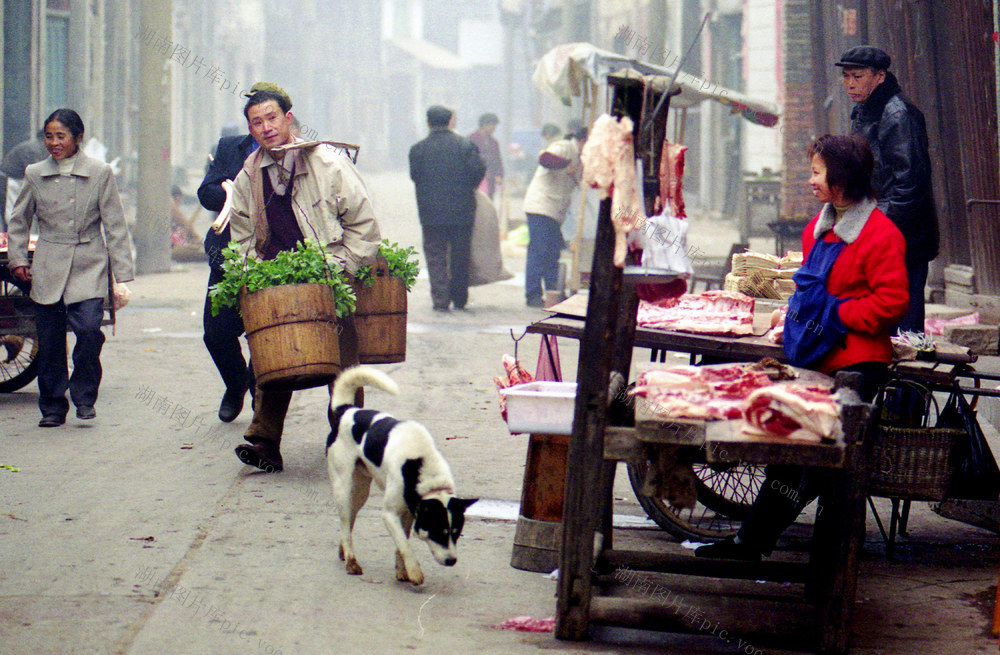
{"points": [[353, 378]]}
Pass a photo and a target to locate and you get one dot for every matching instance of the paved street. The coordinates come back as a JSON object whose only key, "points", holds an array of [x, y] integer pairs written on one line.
{"points": [[140, 532]]}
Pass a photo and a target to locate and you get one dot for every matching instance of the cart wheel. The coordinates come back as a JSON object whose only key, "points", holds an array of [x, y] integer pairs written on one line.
{"points": [[18, 363], [725, 493]]}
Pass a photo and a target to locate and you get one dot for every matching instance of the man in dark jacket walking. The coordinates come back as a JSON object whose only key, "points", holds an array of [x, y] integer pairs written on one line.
{"points": [[222, 332], [896, 131], [446, 169]]}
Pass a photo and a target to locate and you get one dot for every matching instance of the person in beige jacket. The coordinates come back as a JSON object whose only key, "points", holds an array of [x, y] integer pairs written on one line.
{"points": [[290, 190], [546, 202], [71, 200]]}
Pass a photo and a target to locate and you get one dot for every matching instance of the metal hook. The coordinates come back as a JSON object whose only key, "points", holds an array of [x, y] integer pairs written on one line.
{"points": [[516, 340]]}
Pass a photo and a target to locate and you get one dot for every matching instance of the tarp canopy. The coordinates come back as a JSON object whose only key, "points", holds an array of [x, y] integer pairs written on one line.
{"points": [[562, 71]]}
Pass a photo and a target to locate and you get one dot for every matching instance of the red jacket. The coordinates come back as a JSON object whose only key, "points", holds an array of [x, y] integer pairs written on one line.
{"points": [[870, 272]]}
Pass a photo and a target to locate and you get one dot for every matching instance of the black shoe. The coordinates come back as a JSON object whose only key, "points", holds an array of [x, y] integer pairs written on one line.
{"points": [[231, 406], [728, 549], [86, 412], [441, 308], [263, 454], [535, 302], [51, 421]]}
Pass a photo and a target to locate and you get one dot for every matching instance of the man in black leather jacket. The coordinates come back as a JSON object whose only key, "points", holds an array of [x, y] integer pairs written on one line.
{"points": [[222, 332], [896, 131]]}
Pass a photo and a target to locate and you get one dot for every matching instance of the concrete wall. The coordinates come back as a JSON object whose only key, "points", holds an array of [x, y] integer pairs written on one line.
{"points": [[762, 80]]}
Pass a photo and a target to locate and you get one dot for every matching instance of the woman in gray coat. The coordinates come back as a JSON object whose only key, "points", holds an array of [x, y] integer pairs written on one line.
{"points": [[68, 198]]}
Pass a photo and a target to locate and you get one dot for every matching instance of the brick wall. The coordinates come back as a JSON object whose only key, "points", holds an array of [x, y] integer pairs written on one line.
{"points": [[798, 122]]}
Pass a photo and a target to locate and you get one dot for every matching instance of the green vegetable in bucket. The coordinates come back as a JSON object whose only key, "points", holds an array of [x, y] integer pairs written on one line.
{"points": [[402, 263], [307, 264]]}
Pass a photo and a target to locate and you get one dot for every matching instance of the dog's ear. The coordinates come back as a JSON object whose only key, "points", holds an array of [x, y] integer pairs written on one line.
{"points": [[461, 504]]}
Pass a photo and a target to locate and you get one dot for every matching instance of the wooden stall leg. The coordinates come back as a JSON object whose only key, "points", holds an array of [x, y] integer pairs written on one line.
{"points": [[838, 537], [584, 502]]}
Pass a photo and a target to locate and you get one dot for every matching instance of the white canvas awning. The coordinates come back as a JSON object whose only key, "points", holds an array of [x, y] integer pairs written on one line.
{"points": [[562, 71]]}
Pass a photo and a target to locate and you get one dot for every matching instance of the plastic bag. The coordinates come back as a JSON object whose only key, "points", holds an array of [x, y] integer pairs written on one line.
{"points": [[976, 475]]}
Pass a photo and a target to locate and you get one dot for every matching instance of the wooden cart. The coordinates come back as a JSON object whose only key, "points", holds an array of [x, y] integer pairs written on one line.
{"points": [[589, 563]]}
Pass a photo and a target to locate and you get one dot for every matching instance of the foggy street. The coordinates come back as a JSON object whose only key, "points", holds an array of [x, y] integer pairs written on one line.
{"points": [[762, 235]]}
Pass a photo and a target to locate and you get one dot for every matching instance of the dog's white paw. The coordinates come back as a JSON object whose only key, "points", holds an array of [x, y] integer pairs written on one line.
{"points": [[416, 576]]}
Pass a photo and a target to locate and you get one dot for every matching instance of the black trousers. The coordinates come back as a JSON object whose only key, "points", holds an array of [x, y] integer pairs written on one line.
{"points": [[786, 490], [84, 318], [913, 320], [447, 249], [222, 338]]}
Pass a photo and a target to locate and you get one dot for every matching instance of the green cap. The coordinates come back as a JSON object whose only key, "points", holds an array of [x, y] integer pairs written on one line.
{"points": [[273, 88]]}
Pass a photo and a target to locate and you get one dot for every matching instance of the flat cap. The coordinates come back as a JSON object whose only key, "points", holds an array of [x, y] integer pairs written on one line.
{"points": [[438, 116], [865, 56], [271, 87]]}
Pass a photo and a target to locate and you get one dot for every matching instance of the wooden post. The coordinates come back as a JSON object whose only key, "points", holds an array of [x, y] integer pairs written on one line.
{"points": [[834, 558], [582, 508]]}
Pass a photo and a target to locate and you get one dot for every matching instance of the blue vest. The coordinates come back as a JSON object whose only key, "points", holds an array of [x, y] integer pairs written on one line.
{"points": [[813, 326]]}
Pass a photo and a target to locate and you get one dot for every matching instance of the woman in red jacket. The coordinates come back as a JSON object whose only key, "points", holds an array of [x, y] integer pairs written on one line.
{"points": [[850, 291]]}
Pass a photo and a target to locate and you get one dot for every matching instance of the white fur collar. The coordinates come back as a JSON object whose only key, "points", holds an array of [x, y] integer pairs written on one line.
{"points": [[849, 227]]}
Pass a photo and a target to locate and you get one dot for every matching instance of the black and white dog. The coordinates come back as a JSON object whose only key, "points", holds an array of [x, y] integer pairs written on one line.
{"points": [[366, 444]]}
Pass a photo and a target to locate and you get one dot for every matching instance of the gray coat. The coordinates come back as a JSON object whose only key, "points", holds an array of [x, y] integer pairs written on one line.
{"points": [[71, 256]]}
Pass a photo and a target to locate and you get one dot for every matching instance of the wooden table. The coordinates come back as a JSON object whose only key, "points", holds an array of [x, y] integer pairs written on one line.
{"points": [[734, 349]]}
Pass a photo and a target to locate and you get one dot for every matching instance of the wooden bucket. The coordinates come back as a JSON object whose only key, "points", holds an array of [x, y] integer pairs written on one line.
{"points": [[380, 317], [538, 534], [293, 335]]}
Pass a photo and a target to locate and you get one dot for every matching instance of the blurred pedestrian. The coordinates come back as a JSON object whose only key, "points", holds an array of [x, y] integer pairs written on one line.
{"points": [[896, 131], [71, 200], [489, 150], [446, 169], [550, 132], [222, 332], [22, 155], [545, 205]]}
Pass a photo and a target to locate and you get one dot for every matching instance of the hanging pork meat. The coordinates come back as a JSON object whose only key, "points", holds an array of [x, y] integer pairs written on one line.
{"points": [[608, 160]]}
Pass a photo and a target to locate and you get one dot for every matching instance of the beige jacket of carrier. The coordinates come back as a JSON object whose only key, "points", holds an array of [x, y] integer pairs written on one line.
{"points": [[329, 200]]}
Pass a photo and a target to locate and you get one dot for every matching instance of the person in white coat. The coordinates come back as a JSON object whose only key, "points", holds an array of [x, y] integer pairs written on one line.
{"points": [[71, 201]]}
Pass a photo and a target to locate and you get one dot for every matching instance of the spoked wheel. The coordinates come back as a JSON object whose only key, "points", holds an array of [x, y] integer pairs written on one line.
{"points": [[18, 363], [725, 493]]}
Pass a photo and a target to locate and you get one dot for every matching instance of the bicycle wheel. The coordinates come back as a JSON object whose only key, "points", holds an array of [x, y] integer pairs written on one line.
{"points": [[18, 363], [725, 493]]}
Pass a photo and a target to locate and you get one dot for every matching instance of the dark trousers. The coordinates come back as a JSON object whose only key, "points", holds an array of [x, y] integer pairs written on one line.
{"points": [[270, 407], [222, 338], [913, 320], [447, 249], [545, 242], [786, 490], [84, 318]]}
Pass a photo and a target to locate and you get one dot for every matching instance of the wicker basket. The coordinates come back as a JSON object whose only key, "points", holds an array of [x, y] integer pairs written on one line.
{"points": [[913, 463]]}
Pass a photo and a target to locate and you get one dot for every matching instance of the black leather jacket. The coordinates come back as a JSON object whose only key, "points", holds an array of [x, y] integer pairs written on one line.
{"points": [[896, 131]]}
